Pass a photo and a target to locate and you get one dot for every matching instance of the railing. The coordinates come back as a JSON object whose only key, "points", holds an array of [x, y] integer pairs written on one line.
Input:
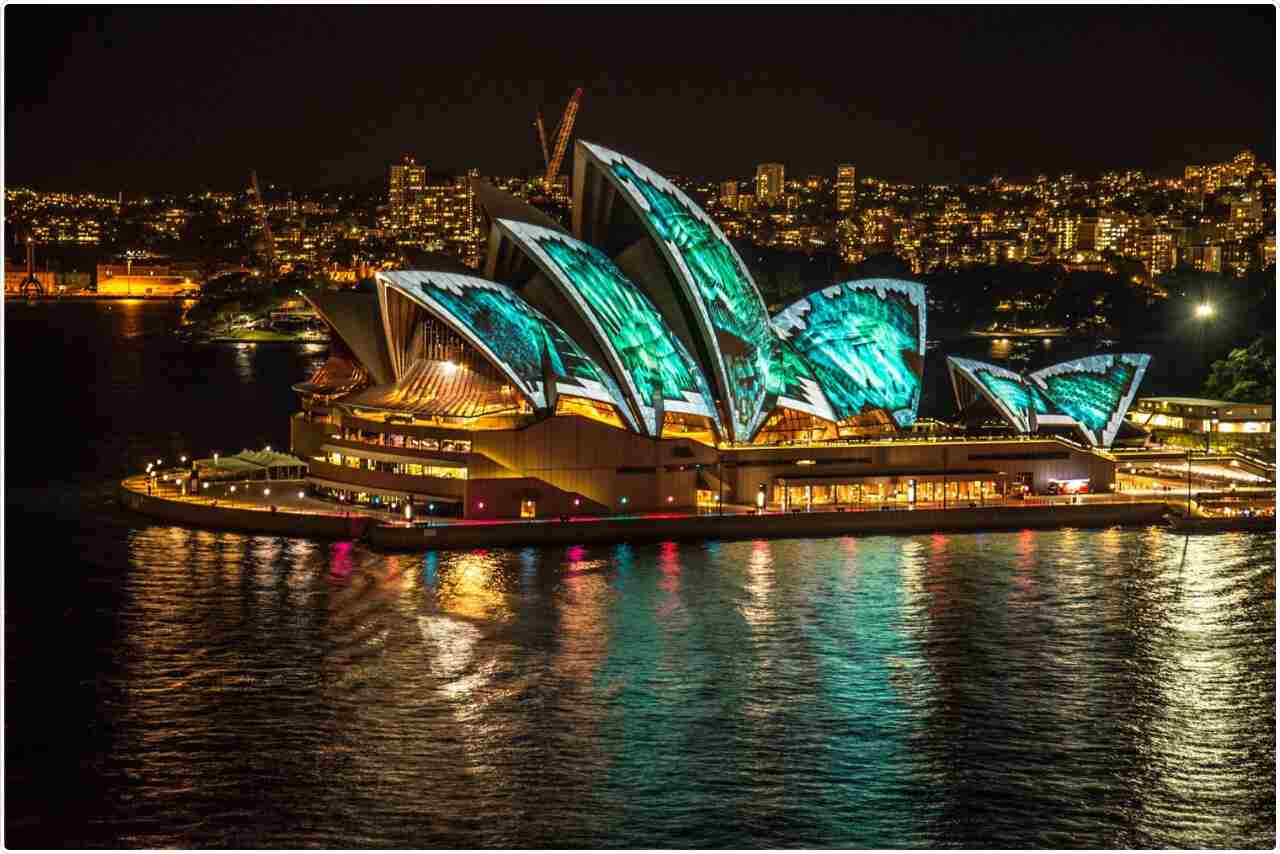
{"points": [[228, 499], [853, 441]]}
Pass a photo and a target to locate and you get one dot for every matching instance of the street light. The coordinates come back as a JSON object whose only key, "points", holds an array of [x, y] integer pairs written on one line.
{"points": [[1204, 311], [1188, 483]]}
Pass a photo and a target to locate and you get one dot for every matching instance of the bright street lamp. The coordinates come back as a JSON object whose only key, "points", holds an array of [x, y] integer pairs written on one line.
{"points": [[1204, 311]]}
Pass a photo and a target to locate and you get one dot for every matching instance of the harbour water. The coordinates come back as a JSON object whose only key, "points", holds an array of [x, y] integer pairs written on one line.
{"points": [[168, 687]]}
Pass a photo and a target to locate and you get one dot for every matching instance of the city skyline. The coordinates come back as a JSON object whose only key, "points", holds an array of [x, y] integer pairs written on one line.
{"points": [[1213, 218], [377, 184], [290, 94]]}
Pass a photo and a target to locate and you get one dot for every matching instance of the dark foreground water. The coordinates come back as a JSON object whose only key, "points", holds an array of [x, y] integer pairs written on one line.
{"points": [[167, 687]]}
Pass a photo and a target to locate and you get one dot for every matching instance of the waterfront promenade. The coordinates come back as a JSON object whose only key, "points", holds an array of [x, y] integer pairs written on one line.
{"points": [[288, 512]]}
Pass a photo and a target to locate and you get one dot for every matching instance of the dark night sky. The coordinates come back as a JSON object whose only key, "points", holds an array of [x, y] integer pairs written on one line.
{"points": [[181, 98]]}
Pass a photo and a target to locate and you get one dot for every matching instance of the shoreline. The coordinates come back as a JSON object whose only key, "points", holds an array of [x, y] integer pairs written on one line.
{"points": [[646, 528], [1020, 333], [232, 340], [9, 296]]}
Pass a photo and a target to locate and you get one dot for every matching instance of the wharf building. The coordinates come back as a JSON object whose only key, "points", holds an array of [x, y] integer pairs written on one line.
{"points": [[628, 364], [1207, 423]]}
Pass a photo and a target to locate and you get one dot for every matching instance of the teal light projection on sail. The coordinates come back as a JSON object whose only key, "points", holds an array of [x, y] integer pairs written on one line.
{"points": [[1092, 393], [513, 334], [865, 341], [727, 305], [1018, 401], [1017, 394], [1095, 391], [646, 354]]}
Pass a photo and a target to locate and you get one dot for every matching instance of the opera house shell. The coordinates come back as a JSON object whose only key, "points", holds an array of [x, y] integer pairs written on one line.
{"points": [[1089, 395], [637, 344]]}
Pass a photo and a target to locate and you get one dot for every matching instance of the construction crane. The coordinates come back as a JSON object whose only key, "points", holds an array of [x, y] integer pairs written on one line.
{"points": [[554, 157], [269, 246], [542, 137]]}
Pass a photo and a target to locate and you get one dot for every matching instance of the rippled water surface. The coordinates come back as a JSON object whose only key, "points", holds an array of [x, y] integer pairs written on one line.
{"points": [[169, 687]]}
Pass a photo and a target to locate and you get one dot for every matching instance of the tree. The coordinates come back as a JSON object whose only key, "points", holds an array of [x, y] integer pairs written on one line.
{"points": [[227, 313], [211, 242], [1247, 375]]}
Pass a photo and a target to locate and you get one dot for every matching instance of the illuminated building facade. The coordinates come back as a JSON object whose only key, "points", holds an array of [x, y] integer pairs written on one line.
{"points": [[729, 195], [434, 217], [631, 365], [1207, 423], [846, 189], [408, 180], [770, 183]]}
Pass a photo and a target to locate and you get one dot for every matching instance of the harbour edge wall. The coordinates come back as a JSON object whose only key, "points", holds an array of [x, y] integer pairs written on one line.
{"points": [[643, 528]]}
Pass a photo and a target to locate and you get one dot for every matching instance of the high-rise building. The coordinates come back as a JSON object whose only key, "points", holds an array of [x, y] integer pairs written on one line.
{"points": [[440, 217], [729, 194], [877, 230], [846, 188], [469, 233], [1066, 233], [770, 179], [408, 181], [1246, 208], [1156, 251], [1203, 257]]}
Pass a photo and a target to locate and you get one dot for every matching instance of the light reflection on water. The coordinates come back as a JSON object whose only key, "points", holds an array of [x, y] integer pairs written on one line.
{"points": [[1026, 689], [174, 688]]}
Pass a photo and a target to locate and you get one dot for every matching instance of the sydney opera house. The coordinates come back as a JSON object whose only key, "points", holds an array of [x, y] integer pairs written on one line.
{"points": [[631, 365]]}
